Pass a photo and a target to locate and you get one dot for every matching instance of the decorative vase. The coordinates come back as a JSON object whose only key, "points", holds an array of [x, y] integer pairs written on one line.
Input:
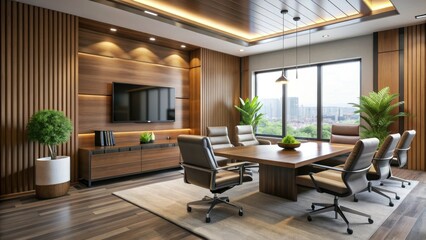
{"points": [[52, 177]]}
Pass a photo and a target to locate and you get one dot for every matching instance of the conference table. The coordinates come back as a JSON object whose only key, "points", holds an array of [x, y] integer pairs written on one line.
{"points": [[278, 167]]}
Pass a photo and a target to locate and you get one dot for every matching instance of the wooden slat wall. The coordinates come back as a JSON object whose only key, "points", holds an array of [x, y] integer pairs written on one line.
{"points": [[388, 65], [245, 78], [106, 58], [195, 92], [219, 86], [415, 92], [38, 71]]}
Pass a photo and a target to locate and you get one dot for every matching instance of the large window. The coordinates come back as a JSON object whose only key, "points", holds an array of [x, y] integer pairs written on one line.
{"points": [[271, 96], [301, 102], [318, 97]]}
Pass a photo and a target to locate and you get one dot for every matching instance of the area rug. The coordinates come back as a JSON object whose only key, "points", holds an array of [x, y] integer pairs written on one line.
{"points": [[265, 216]]}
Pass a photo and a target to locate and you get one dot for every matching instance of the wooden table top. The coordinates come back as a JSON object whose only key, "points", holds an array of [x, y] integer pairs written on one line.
{"points": [[307, 153]]}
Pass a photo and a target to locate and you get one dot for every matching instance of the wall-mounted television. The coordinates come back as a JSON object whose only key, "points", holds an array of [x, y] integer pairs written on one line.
{"points": [[142, 103]]}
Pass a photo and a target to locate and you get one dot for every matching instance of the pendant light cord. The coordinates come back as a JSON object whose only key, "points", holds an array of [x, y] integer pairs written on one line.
{"points": [[283, 12], [309, 56], [296, 19], [297, 73]]}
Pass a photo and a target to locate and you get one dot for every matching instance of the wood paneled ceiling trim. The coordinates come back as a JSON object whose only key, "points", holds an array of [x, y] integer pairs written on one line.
{"points": [[250, 22]]}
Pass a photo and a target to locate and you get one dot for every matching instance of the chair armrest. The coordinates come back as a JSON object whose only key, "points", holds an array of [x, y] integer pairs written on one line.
{"points": [[311, 174], [402, 149], [185, 165], [338, 169], [264, 142], [327, 167], [232, 165]]}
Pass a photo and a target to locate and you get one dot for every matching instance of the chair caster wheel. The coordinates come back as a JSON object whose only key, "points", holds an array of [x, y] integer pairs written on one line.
{"points": [[207, 219], [409, 183], [355, 199], [313, 207], [391, 204], [188, 209], [309, 218], [403, 186], [381, 184], [240, 212], [370, 221], [397, 197], [350, 231]]}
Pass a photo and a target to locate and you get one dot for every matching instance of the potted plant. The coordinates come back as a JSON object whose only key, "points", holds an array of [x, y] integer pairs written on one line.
{"points": [[147, 137], [51, 128], [377, 111], [249, 110]]}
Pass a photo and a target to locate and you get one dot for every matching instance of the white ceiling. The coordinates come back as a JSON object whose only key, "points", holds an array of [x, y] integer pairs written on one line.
{"points": [[99, 12]]}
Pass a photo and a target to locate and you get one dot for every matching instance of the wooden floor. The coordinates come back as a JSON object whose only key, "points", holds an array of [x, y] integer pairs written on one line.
{"points": [[94, 213]]}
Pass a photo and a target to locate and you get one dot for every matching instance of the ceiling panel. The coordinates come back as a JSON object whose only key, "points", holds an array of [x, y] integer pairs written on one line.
{"points": [[249, 22]]}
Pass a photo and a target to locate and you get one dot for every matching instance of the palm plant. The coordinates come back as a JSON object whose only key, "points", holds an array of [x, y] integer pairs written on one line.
{"points": [[249, 110], [376, 110]]}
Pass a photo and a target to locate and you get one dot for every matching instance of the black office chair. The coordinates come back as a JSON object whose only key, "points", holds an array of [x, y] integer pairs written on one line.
{"points": [[201, 169], [343, 182]]}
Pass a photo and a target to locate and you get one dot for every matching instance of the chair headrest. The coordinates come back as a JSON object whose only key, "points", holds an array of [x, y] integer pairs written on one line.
{"points": [[345, 129], [406, 139], [197, 151], [362, 154], [217, 131], [244, 129], [388, 146]]}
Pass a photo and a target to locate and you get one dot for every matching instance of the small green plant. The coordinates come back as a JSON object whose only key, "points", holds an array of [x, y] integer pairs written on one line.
{"points": [[376, 110], [249, 110], [51, 128], [289, 139], [146, 137]]}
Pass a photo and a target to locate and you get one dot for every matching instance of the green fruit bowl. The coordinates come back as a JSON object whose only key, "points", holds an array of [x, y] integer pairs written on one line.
{"points": [[289, 145]]}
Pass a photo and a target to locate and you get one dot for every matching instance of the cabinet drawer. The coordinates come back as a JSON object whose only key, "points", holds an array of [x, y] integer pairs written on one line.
{"points": [[160, 158], [115, 164]]}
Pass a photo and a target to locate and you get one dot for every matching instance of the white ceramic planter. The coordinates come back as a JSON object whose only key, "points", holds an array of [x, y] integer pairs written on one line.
{"points": [[52, 176]]}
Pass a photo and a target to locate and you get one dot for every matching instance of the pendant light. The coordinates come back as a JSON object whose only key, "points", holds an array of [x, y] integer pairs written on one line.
{"points": [[296, 19], [283, 79]]}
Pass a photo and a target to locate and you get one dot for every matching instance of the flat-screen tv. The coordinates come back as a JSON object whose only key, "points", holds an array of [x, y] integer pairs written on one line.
{"points": [[142, 103]]}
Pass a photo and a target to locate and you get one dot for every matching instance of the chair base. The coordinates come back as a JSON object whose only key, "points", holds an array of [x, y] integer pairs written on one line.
{"points": [[338, 210], [381, 191], [399, 180], [213, 202]]}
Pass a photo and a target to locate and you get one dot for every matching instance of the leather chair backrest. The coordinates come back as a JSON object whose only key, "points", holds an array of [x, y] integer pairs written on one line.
{"points": [[219, 137], [358, 159], [403, 146], [384, 155], [245, 135], [344, 133], [197, 151]]}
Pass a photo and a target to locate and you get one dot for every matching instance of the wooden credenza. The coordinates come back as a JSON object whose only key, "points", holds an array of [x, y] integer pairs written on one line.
{"points": [[100, 163]]}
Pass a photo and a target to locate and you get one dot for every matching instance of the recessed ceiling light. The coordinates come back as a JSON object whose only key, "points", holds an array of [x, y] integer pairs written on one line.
{"points": [[152, 39], [183, 46], [150, 13], [325, 36], [113, 29], [420, 16], [241, 50]]}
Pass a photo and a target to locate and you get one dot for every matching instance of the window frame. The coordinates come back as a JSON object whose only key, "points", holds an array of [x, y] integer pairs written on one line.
{"points": [[319, 93]]}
